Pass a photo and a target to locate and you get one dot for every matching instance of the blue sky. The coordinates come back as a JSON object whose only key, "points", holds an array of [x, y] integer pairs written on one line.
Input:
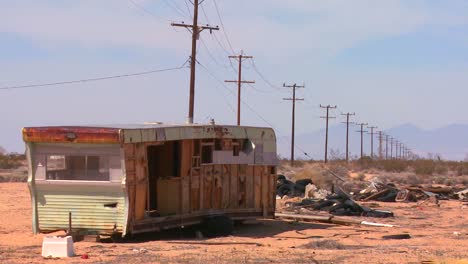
{"points": [[392, 62]]}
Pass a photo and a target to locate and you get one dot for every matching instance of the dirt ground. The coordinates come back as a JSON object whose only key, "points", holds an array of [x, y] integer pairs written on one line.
{"points": [[438, 235]]}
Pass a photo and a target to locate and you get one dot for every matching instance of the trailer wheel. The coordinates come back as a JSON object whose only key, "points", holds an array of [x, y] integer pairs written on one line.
{"points": [[216, 226]]}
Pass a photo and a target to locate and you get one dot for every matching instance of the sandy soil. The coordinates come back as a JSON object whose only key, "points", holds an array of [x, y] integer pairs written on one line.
{"points": [[438, 235]]}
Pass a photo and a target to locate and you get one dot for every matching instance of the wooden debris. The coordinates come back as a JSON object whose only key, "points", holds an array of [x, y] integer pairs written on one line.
{"points": [[212, 243], [331, 219]]}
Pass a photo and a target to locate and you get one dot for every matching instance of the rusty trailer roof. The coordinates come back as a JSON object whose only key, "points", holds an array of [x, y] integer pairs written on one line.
{"points": [[148, 132]]}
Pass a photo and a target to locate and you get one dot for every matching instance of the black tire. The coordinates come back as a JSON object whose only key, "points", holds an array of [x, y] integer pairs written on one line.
{"points": [[217, 226], [285, 189], [304, 182]]}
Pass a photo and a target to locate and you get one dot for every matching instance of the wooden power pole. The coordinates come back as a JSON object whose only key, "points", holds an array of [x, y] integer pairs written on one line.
{"points": [[372, 140], [381, 138], [387, 138], [362, 131], [196, 30], [293, 99], [239, 82], [327, 117], [347, 133]]}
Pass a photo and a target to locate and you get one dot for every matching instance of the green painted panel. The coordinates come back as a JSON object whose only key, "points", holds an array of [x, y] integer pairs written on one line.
{"points": [[96, 209]]}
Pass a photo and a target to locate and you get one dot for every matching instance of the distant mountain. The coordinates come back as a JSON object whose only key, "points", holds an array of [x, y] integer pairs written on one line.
{"points": [[450, 141]]}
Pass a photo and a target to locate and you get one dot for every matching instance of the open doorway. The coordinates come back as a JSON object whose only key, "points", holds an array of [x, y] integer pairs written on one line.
{"points": [[163, 163]]}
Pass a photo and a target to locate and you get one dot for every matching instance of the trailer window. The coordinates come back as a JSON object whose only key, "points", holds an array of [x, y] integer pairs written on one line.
{"points": [[78, 168]]}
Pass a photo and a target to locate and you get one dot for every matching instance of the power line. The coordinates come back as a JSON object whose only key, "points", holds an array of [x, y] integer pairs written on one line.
{"points": [[145, 10], [91, 79], [250, 108], [263, 77], [176, 8], [222, 25], [223, 48]]}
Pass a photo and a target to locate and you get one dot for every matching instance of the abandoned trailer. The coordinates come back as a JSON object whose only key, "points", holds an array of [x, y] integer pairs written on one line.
{"points": [[134, 179]]}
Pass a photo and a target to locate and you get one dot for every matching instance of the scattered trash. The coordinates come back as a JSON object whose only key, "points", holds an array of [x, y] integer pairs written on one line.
{"points": [[141, 250], [462, 195], [57, 247], [199, 234]]}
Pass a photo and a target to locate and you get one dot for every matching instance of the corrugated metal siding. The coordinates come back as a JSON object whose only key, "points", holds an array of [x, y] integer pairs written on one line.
{"points": [[87, 207]]}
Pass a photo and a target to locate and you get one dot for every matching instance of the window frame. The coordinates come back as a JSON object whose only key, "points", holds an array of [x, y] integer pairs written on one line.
{"points": [[109, 177]]}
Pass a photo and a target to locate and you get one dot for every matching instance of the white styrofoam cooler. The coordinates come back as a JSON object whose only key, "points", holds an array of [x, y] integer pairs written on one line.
{"points": [[57, 247]]}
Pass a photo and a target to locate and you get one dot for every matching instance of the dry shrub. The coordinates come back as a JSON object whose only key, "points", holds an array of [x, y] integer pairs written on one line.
{"points": [[424, 167], [319, 176], [14, 178], [324, 244], [393, 165]]}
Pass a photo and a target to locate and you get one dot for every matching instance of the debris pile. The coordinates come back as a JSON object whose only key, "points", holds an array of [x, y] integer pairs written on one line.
{"points": [[337, 202], [389, 192]]}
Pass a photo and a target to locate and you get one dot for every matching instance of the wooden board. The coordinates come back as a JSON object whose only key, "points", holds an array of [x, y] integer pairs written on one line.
{"points": [[258, 171], [225, 189], [217, 186], [195, 194], [141, 181], [185, 194], [250, 187], [273, 178], [169, 196], [233, 187], [265, 190], [186, 158], [140, 201], [207, 175]]}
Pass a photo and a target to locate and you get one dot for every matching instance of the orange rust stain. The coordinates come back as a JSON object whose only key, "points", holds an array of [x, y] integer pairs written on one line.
{"points": [[71, 135]]}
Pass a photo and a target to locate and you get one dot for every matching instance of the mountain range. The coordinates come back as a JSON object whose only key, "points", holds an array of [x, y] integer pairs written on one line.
{"points": [[449, 141]]}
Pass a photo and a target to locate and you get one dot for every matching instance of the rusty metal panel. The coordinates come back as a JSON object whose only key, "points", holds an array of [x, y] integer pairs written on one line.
{"points": [[160, 134], [95, 209], [71, 135], [132, 135], [270, 158], [173, 133], [149, 135], [259, 154]]}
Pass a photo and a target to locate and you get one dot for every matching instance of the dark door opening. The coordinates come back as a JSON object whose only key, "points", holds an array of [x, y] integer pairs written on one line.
{"points": [[163, 162]]}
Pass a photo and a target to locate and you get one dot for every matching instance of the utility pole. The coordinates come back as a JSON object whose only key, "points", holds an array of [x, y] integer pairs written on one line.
{"points": [[380, 136], [401, 150], [239, 82], [362, 131], [347, 133], [327, 117], [195, 30], [293, 99], [386, 146], [397, 150], [372, 140]]}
